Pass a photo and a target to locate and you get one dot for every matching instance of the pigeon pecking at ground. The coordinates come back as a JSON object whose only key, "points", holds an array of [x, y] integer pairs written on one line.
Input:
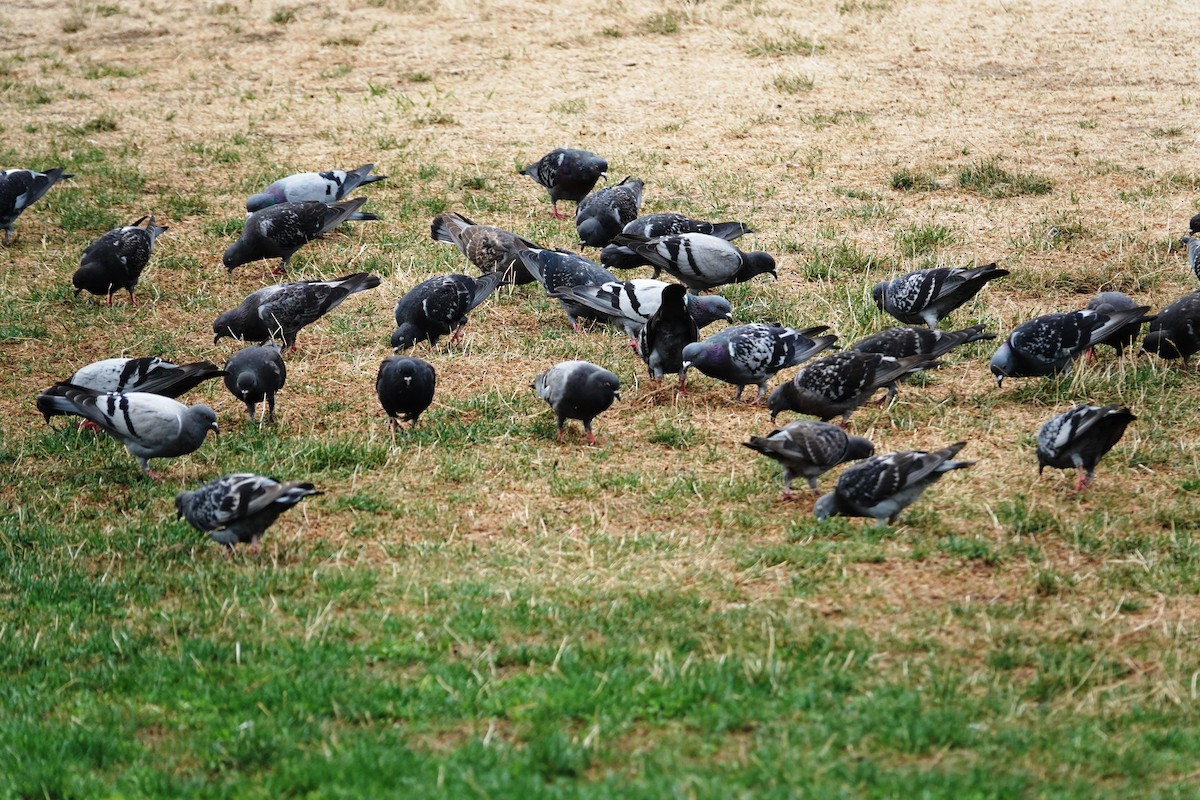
{"points": [[254, 374], [841, 382], [282, 310], [1193, 253], [567, 174], [578, 390], [1108, 303], [1175, 331], [489, 248], [240, 507], [808, 449], [116, 260], [21, 188], [603, 214], [653, 226], [279, 231], [663, 338], [699, 260], [883, 486], [929, 295], [1050, 343], [628, 304], [327, 187], [1079, 437], [405, 388], [751, 354], [559, 271], [438, 306], [928, 342]]}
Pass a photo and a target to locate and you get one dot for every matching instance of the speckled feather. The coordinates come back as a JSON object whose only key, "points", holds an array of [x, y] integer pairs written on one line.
{"points": [[489, 248], [808, 449], [1175, 331], [438, 306], [283, 309], [841, 382], [21, 188], [928, 295], [604, 213], [278, 231], [751, 354], [117, 259], [240, 507], [1050, 343], [559, 271], [1079, 437]]}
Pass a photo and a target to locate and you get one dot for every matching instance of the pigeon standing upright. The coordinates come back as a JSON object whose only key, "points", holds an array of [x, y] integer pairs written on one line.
{"points": [[489, 248], [21, 188], [1193, 253], [567, 174], [928, 295], [240, 507], [1108, 303], [405, 388], [578, 390], [1079, 437], [665, 335], [327, 187], [559, 271], [751, 354], [439, 306], [841, 382], [700, 260], [603, 214], [282, 310], [1049, 344], [254, 374], [808, 449], [278, 231], [629, 304], [116, 260], [652, 226], [1175, 331]]}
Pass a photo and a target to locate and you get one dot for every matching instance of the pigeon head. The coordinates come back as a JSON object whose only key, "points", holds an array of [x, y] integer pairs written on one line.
{"points": [[1002, 363], [206, 415], [759, 263], [235, 256], [247, 382], [826, 506], [701, 354], [1160, 343], [406, 336], [777, 401], [228, 324], [858, 448], [94, 278], [877, 293], [709, 309], [181, 501], [272, 195]]}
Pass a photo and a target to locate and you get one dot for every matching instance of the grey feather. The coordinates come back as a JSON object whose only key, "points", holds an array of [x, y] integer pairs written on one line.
{"points": [[489, 248], [240, 507], [282, 310], [841, 382], [750, 354], [1079, 437], [652, 226], [254, 374], [603, 214], [701, 261], [116, 260], [578, 390], [328, 186], [439, 306], [21, 188], [1050, 343], [1175, 331], [567, 174], [929, 295], [808, 449], [278, 231]]}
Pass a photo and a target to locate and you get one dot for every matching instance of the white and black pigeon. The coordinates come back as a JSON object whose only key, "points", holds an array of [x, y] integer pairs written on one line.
{"points": [[751, 354], [604, 213], [578, 390], [628, 304], [116, 260], [240, 507], [149, 425], [1108, 303], [489, 248], [1175, 331], [438, 306], [931, 343], [841, 382], [559, 271], [254, 374], [652, 226], [567, 174], [21, 188], [279, 231], [929, 295], [883, 486], [1049, 344], [1079, 437], [151, 374], [282, 310], [663, 338], [1192, 243], [700, 260], [405, 388], [808, 449], [327, 187]]}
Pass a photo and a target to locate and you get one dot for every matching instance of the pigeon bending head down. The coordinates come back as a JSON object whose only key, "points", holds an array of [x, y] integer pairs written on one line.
{"points": [[808, 449], [578, 390], [567, 174], [750, 354], [701, 261], [254, 374], [603, 214], [1175, 331], [116, 260], [21, 188], [489, 248], [240, 507], [1079, 437], [438, 306], [1049, 344], [928, 295], [328, 186], [282, 310], [278, 231]]}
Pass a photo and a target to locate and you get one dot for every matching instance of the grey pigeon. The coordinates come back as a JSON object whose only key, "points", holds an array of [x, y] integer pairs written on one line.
{"points": [[567, 174], [1050, 343], [603, 214], [1079, 438], [1194, 224], [1107, 303], [751, 354], [405, 388], [327, 187], [240, 507], [282, 310], [928, 342], [149, 425], [279, 231], [628, 304], [151, 375], [1175, 331], [700, 260], [439, 306], [929, 295], [808, 449], [883, 486], [665, 335], [560, 270], [116, 260], [21, 188], [489, 248], [841, 382], [578, 390], [1193, 254], [254, 374], [652, 226]]}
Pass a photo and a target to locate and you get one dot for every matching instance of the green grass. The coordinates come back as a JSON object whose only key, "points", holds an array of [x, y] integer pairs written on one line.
{"points": [[990, 179]]}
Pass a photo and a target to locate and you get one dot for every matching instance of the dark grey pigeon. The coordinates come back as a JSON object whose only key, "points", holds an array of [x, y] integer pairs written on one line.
{"points": [[1193, 254], [578, 390], [1079, 438], [841, 382], [928, 295], [254, 374], [21, 188], [928, 342], [699, 260], [751, 354], [559, 271], [279, 231], [883, 486], [405, 388], [1194, 224], [489, 248], [151, 375], [1175, 331], [808, 449], [240, 507], [567, 174], [1108, 303], [327, 187], [149, 425], [282, 310], [1050, 343], [439, 306], [629, 304], [664, 336], [603, 214], [116, 260], [652, 226]]}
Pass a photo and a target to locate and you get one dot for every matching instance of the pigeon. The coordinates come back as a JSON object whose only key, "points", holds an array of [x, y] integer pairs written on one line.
{"points": [[603, 214], [841, 382], [489, 248], [668, 331], [808, 449], [255, 373], [578, 390], [152, 375], [116, 260], [652, 226], [1175, 332], [279, 231], [1107, 303], [1193, 253], [21, 188], [325, 187], [1194, 224], [281, 310], [929, 342], [929, 295], [439, 306], [629, 304], [1079, 438], [558, 270], [744, 354], [149, 425], [240, 507], [1048, 344], [700, 260], [883, 486], [405, 387], [567, 174]]}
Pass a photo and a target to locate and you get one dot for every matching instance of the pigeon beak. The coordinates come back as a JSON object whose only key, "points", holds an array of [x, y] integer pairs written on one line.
{"points": [[216, 338], [617, 395], [216, 430], [605, 176], [999, 381], [728, 317]]}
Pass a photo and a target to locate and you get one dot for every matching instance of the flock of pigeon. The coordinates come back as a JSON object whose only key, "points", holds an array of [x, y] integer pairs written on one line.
{"points": [[133, 399]]}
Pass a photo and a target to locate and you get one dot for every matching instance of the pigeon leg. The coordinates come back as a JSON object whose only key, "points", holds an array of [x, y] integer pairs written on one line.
{"points": [[457, 334], [110, 298], [87, 424], [591, 439], [132, 299], [154, 476], [554, 210], [7, 236], [1084, 479], [271, 408]]}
